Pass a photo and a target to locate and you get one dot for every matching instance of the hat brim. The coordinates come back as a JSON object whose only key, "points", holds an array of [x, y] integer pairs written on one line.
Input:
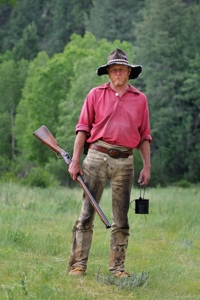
{"points": [[136, 70]]}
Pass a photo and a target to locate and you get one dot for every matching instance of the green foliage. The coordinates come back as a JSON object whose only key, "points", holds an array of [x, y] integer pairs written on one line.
{"points": [[59, 170], [126, 283], [8, 101], [55, 23], [191, 117], [162, 36], [21, 16], [11, 2], [11, 170], [4, 164], [113, 19], [34, 107], [164, 48], [38, 177], [182, 183], [8, 177], [11, 82], [66, 18], [46, 86], [28, 46], [6, 56]]}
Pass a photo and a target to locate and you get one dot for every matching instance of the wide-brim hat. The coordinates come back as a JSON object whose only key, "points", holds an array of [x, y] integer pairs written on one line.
{"points": [[119, 57]]}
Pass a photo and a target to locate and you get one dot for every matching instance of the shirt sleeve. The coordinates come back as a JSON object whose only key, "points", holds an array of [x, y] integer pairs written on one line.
{"points": [[87, 114], [145, 125]]}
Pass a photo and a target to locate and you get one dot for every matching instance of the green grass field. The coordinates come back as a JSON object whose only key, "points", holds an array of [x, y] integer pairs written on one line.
{"points": [[35, 241]]}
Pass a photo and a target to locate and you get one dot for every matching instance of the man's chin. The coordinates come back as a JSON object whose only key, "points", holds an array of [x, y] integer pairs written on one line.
{"points": [[119, 83]]}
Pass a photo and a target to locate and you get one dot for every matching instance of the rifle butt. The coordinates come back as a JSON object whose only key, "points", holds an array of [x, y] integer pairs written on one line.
{"points": [[45, 136]]}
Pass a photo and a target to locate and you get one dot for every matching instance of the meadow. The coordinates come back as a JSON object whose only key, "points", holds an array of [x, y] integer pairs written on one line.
{"points": [[35, 242]]}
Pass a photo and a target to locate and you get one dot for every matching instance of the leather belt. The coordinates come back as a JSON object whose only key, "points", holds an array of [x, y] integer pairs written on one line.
{"points": [[112, 152]]}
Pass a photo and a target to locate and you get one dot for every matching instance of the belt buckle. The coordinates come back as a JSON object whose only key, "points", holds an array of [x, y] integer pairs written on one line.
{"points": [[117, 155]]}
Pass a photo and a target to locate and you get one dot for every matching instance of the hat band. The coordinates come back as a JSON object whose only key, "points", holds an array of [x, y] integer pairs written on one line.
{"points": [[118, 60]]}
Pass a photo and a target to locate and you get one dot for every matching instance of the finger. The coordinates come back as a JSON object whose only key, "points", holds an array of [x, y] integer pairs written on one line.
{"points": [[74, 176], [140, 179]]}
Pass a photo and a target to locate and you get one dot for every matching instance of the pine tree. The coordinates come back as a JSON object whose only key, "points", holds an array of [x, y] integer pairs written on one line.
{"points": [[66, 18], [11, 82], [166, 43], [113, 19], [28, 45]]}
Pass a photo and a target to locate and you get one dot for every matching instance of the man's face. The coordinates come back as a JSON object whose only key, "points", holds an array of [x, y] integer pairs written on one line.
{"points": [[118, 74]]}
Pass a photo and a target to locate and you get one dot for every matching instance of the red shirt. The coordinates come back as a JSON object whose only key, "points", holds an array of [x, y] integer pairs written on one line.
{"points": [[122, 121]]}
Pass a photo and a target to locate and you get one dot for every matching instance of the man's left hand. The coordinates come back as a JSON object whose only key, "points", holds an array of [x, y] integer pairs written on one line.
{"points": [[144, 177]]}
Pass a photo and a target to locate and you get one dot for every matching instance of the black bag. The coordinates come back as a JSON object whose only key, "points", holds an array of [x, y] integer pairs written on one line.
{"points": [[141, 205]]}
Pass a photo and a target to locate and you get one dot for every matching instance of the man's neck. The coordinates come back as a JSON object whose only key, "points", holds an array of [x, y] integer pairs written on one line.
{"points": [[119, 89]]}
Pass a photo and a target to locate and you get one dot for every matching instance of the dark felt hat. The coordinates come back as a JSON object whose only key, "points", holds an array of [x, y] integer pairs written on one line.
{"points": [[119, 57]]}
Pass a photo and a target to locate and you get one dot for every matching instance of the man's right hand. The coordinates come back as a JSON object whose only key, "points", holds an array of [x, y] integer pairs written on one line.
{"points": [[74, 170], [74, 167]]}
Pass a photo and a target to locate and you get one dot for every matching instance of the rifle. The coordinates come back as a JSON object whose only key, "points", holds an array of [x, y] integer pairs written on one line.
{"points": [[45, 136]]}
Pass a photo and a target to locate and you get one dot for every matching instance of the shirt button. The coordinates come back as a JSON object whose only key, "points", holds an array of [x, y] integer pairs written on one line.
{"points": [[105, 159]]}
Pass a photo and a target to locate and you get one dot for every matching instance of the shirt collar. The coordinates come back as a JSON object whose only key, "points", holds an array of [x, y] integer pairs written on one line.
{"points": [[131, 89]]}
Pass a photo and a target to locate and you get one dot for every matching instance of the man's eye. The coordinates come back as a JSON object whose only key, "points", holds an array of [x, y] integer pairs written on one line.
{"points": [[118, 70]]}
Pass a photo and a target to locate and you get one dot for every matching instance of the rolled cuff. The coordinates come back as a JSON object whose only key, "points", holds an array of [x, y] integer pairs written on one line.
{"points": [[82, 127], [146, 137]]}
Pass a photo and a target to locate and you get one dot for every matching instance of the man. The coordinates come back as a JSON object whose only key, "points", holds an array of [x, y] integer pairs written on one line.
{"points": [[114, 120]]}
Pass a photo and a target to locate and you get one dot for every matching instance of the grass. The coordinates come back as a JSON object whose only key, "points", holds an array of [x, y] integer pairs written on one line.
{"points": [[35, 241]]}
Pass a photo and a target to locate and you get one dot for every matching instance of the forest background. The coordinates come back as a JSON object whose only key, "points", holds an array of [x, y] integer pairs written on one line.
{"points": [[49, 52]]}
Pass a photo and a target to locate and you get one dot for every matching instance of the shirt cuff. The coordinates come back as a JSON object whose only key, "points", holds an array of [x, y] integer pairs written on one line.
{"points": [[82, 127], [147, 138]]}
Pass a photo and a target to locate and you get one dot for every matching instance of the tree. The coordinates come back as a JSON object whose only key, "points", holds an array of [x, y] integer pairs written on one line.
{"points": [[66, 18], [11, 82], [166, 42], [190, 91], [28, 45], [11, 2], [55, 22], [20, 17], [113, 19], [44, 89], [32, 106]]}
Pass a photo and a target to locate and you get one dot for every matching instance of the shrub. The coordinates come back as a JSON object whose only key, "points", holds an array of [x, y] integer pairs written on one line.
{"points": [[182, 183], [8, 177], [126, 283], [40, 178]]}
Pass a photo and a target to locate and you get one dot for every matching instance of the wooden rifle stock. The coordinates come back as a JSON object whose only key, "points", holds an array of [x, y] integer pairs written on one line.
{"points": [[45, 136]]}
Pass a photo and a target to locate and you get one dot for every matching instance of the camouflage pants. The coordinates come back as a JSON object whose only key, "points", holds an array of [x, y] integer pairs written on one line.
{"points": [[97, 168]]}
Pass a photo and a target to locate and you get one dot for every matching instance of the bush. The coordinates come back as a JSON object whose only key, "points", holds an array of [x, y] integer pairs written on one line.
{"points": [[8, 177], [40, 178], [182, 183]]}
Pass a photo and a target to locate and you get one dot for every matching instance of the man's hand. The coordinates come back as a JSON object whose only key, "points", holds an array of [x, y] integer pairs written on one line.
{"points": [[145, 154], [74, 170], [74, 167], [144, 177]]}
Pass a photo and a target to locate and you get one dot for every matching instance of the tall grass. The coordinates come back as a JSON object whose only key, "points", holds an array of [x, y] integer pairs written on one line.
{"points": [[35, 241]]}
